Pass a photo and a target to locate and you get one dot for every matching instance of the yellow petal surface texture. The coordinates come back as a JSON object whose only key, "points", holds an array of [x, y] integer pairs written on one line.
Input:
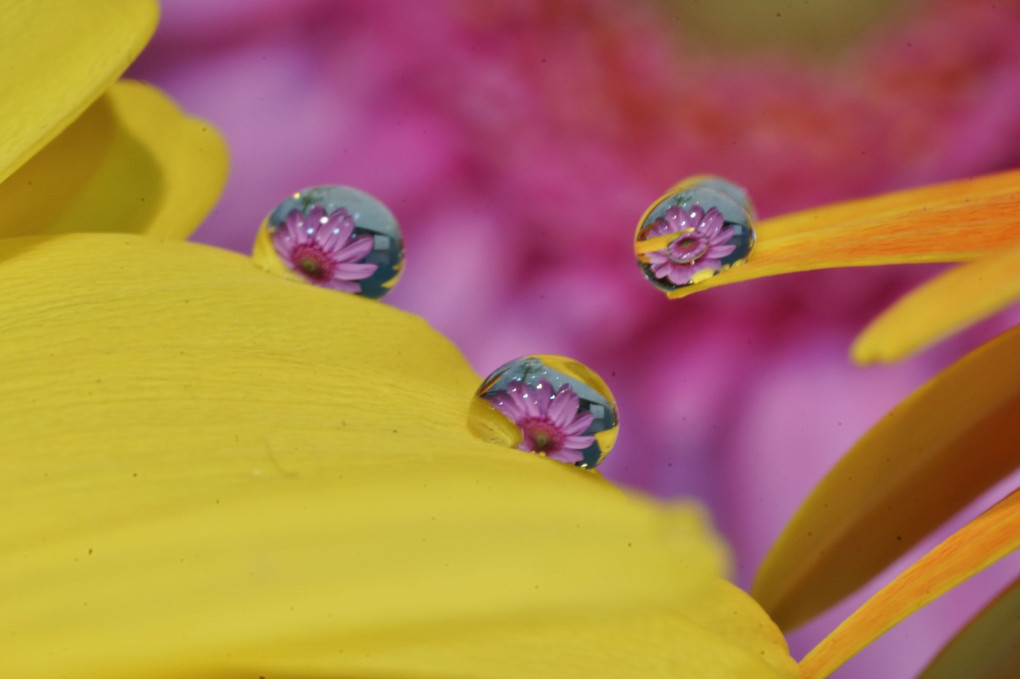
{"points": [[988, 647], [954, 221], [58, 56], [215, 472], [954, 300], [977, 545], [938, 450], [133, 162]]}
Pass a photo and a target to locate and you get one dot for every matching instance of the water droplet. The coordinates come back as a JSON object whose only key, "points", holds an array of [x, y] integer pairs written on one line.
{"points": [[702, 226], [333, 236], [551, 405]]}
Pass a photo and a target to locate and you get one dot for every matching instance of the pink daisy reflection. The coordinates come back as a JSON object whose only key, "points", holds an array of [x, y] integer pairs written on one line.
{"points": [[550, 423], [703, 246], [320, 248]]}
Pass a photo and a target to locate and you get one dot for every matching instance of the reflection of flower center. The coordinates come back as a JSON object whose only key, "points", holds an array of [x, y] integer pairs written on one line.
{"points": [[324, 249], [551, 423], [701, 241], [313, 262], [687, 248], [545, 436]]}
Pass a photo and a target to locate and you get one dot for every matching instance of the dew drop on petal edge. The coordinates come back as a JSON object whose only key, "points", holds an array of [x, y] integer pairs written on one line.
{"points": [[335, 237], [702, 226], [550, 405]]}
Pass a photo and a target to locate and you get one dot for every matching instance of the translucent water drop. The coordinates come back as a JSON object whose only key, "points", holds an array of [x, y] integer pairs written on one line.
{"points": [[702, 226], [333, 236], [550, 405]]}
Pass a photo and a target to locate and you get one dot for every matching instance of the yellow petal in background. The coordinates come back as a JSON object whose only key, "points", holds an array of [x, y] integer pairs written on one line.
{"points": [[939, 449], [133, 162], [977, 545], [58, 56], [216, 472], [956, 299], [955, 221], [988, 647]]}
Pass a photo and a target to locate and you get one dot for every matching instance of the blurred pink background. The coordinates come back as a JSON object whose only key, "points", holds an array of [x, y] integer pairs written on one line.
{"points": [[519, 142]]}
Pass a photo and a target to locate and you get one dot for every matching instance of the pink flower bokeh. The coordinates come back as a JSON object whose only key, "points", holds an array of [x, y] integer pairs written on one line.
{"points": [[519, 142]]}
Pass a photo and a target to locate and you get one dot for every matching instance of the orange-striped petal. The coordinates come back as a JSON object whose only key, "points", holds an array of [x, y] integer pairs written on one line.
{"points": [[133, 162], [958, 298], [986, 539], [988, 647], [935, 452], [954, 221]]}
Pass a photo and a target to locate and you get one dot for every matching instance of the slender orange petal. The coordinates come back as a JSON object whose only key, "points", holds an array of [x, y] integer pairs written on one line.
{"points": [[956, 299], [988, 647], [983, 541], [58, 56], [935, 452], [133, 162], [955, 221]]}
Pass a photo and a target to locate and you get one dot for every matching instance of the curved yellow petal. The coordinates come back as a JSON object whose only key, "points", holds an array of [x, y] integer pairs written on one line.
{"points": [[939, 449], [651, 641], [988, 647], [958, 298], [58, 56], [954, 221], [133, 162], [212, 471], [974, 547]]}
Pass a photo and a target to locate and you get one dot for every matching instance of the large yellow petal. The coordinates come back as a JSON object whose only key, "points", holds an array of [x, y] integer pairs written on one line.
{"points": [[58, 56], [954, 221], [935, 452], [988, 647], [951, 302], [977, 545], [133, 162], [214, 472]]}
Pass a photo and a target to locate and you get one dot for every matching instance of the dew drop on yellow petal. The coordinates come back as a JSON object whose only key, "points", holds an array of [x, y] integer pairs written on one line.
{"points": [[702, 226], [559, 407], [950, 222], [335, 237]]}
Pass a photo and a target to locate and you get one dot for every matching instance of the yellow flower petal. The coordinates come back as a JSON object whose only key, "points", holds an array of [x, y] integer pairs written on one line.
{"points": [[212, 471], [58, 56], [987, 648], [977, 545], [651, 641], [939, 449], [132, 162], [955, 221], [951, 302]]}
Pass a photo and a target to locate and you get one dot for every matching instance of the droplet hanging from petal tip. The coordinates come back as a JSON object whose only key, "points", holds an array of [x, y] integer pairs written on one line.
{"points": [[702, 226]]}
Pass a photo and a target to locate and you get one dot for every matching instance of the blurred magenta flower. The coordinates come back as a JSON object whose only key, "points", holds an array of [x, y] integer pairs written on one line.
{"points": [[518, 143]]}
